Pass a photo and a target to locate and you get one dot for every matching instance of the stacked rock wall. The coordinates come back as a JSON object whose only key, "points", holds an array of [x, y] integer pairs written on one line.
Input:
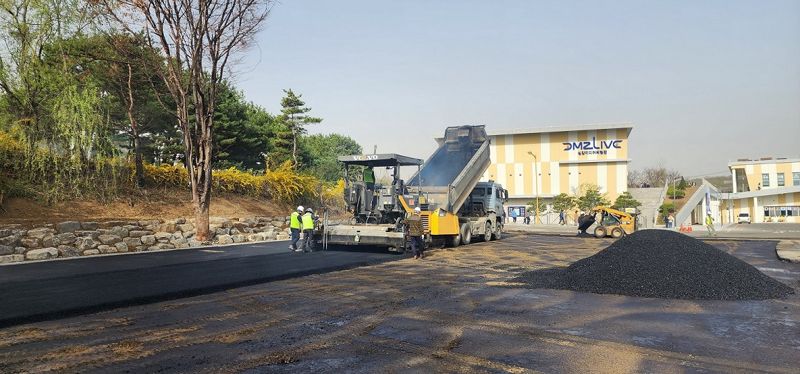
{"points": [[73, 238]]}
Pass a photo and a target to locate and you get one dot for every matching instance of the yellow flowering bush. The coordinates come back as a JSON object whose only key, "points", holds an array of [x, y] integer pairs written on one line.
{"points": [[283, 184], [107, 177]]}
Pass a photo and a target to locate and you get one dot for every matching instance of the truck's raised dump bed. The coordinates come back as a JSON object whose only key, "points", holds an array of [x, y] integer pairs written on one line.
{"points": [[449, 175]]}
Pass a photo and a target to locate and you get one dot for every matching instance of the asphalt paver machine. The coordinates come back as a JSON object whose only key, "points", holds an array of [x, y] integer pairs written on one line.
{"points": [[376, 208]]}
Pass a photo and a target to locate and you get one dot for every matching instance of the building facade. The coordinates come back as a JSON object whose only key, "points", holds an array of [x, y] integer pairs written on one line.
{"points": [[768, 189], [549, 161]]}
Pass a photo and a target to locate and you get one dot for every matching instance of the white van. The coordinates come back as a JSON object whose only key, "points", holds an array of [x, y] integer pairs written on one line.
{"points": [[744, 218]]}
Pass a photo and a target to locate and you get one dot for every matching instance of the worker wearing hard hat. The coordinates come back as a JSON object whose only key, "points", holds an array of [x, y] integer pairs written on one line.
{"points": [[710, 225], [308, 230], [415, 231], [295, 226]]}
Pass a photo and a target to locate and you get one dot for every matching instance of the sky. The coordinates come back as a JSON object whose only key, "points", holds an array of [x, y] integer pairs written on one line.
{"points": [[703, 82]]}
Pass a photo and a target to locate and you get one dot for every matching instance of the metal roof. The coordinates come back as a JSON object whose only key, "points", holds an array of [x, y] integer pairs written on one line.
{"points": [[383, 159], [551, 129]]}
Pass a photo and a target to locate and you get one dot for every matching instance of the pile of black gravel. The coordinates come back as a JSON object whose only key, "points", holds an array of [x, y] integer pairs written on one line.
{"points": [[661, 264]]}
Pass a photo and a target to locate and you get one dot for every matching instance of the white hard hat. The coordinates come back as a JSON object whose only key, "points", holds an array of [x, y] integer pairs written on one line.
{"points": [[417, 209], [300, 208]]}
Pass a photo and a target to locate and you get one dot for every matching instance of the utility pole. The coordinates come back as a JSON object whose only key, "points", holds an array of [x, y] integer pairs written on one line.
{"points": [[536, 186]]}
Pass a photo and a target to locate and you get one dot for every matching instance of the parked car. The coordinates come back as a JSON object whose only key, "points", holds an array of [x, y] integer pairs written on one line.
{"points": [[744, 218]]}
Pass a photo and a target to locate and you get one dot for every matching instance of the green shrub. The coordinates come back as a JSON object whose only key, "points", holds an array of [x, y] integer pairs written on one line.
{"points": [[675, 193]]}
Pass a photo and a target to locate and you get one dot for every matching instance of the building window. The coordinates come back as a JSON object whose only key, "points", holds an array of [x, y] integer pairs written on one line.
{"points": [[781, 181], [795, 179], [782, 211], [765, 180]]}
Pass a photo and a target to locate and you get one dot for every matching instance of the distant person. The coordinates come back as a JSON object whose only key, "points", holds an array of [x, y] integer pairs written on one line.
{"points": [[671, 221], [527, 218], [514, 214], [295, 226], [710, 225], [562, 218], [576, 218], [308, 230], [415, 232]]}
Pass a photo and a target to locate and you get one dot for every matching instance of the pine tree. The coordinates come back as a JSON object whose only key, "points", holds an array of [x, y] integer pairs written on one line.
{"points": [[293, 116]]}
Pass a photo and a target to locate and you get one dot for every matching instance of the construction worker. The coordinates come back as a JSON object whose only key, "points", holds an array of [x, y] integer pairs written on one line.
{"points": [[369, 178], [415, 232], [710, 225], [308, 230], [369, 183], [295, 226]]}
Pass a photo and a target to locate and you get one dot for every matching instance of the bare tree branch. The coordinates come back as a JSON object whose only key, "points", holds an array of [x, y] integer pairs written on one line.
{"points": [[196, 38]]}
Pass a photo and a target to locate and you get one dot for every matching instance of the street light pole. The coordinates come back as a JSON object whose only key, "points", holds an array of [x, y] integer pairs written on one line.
{"points": [[536, 186]]}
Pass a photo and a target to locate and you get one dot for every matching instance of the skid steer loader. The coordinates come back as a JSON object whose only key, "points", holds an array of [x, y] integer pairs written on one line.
{"points": [[612, 222]]}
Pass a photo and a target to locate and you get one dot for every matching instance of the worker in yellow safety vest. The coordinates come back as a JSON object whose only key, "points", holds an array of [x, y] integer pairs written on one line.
{"points": [[308, 230], [295, 226]]}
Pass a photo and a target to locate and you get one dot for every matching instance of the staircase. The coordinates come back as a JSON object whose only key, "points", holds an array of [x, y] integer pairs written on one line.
{"points": [[651, 199], [684, 214]]}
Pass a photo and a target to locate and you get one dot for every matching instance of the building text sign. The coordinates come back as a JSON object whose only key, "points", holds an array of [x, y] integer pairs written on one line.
{"points": [[593, 147]]}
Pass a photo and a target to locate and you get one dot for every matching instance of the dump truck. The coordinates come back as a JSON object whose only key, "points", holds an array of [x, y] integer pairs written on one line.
{"points": [[612, 222], [455, 206]]}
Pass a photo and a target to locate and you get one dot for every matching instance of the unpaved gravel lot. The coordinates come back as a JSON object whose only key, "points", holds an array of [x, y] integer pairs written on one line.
{"points": [[455, 311]]}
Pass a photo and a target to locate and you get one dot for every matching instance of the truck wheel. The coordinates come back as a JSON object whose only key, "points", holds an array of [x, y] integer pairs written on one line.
{"points": [[498, 234], [466, 234], [454, 241], [600, 232], [617, 233], [487, 232]]}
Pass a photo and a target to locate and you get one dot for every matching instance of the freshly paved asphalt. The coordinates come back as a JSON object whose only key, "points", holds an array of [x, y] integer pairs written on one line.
{"points": [[55, 289]]}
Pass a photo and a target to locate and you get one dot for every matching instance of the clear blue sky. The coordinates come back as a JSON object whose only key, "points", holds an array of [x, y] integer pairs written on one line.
{"points": [[704, 82]]}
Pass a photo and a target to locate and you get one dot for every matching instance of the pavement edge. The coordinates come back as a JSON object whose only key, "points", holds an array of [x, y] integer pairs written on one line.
{"points": [[788, 250]]}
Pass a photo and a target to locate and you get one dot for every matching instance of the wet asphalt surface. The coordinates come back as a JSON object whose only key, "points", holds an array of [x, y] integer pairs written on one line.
{"points": [[458, 310], [56, 289]]}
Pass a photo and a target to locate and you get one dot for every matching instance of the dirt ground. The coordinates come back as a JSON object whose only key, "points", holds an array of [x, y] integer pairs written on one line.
{"points": [[454, 311], [166, 204]]}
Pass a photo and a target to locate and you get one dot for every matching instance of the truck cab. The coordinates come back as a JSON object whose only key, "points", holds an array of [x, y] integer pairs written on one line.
{"points": [[482, 214]]}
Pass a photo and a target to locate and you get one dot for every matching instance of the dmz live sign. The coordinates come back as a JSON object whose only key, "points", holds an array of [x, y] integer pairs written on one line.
{"points": [[593, 147]]}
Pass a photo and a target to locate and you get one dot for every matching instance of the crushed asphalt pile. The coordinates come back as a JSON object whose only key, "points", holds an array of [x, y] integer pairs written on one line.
{"points": [[661, 264]]}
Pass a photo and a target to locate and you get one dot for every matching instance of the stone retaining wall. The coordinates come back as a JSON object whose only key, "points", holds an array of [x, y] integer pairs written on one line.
{"points": [[73, 238]]}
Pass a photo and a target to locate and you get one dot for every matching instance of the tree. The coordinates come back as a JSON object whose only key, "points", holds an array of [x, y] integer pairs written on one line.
{"points": [[57, 112], [626, 200], [119, 63], [563, 202], [293, 116], [682, 184], [197, 39], [591, 198], [323, 152], [658, 176], [242, 132], [42, 96], [532, 208], [635, 179]]}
